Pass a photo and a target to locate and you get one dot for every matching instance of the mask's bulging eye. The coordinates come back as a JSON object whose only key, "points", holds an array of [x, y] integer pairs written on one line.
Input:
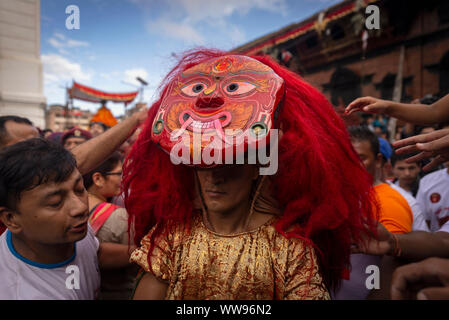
{"points": [[239, 87], [194, 89], [198, 88], [232, 87]]}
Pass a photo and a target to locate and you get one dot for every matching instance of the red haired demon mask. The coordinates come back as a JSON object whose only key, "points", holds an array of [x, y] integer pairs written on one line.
{"points": [[226, 103]]}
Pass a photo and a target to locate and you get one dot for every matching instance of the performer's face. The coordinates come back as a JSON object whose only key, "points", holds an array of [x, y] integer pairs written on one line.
{"points": [[227, 188]]}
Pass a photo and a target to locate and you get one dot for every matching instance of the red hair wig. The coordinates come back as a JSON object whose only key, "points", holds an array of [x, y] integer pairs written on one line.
{"points": [[323, 190]]}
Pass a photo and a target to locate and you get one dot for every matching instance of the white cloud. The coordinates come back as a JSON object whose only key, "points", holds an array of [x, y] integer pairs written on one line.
{"points": [[63, 51], [55, 43], [58, 69], [237, 35], [199, 10], [61, 42], [59, 35], [110, 75], [130, 75], [180, 31], [75, 43], [184, 18]]}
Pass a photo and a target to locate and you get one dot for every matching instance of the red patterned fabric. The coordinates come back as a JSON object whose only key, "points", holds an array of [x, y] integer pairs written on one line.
{"points": [[101, 213]]}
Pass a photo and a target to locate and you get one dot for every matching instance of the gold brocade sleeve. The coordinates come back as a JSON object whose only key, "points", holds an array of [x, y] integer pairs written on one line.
{"points": [[161, 258], [303, 279]]}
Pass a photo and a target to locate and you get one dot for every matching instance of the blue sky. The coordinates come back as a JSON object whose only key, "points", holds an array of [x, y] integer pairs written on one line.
{"points": [[121, 39]]}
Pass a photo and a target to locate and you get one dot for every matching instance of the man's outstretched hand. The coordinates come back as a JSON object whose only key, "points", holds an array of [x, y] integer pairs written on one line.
{"points": [[368, 104], [381, 245], [141, 115], [430, 145]]}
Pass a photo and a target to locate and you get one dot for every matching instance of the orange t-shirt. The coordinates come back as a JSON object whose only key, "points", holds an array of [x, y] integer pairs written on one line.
{"points": [[395, 213]]}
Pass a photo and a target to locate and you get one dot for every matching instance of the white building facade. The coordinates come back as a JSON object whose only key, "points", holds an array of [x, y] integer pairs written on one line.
{"points": [[21, 79]]}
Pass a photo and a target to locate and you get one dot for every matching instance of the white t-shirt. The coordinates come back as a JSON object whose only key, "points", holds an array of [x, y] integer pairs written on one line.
{"points": [[444, 228], [77, 278], [433, 198], [419, 221], [355, 288], [402, 189]]}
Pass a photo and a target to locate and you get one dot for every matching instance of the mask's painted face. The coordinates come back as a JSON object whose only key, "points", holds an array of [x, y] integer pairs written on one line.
{"points": [[224, 100]]}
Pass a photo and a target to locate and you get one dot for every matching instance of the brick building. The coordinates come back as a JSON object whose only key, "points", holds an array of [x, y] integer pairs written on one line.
{"points": [[327, 49], [60, 118]]}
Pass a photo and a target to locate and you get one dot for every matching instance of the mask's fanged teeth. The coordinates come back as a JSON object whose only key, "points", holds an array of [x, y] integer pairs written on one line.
{"points": [[201, 125]]}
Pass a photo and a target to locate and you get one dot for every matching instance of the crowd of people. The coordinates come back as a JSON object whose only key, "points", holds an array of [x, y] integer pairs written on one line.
{"points": [[105, 213], [89, 162]]}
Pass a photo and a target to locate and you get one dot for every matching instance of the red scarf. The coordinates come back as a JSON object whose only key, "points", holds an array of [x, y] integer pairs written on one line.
{"points": [[100, 214]]}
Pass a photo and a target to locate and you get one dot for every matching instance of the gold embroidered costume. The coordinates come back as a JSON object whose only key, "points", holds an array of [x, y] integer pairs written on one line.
{"points": [[259, 264]]}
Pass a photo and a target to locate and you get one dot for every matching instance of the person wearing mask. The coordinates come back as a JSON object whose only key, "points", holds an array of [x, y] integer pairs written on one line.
{"points": [[230, 229]]}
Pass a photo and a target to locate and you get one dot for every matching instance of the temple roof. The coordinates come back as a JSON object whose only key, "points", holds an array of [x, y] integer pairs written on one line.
{"points": [[82, 92]]}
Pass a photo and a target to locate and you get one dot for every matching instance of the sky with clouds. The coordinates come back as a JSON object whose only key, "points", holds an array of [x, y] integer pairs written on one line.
{"points": [[119, 40]]}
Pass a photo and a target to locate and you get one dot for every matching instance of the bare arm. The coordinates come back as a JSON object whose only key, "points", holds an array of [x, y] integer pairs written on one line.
{"points": [[440, 109], [150, 288], [416, 245], [415, 113], [92, 153], [114, 255]]}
